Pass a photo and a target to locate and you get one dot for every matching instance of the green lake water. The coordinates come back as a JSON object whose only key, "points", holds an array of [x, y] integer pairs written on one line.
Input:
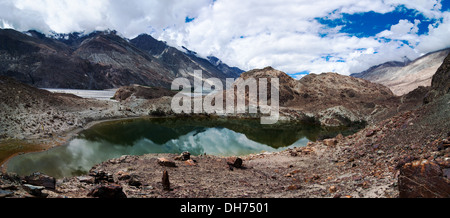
{"points": [[221, 137]]}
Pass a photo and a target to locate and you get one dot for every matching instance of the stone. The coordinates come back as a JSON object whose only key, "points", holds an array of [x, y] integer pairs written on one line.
{"points": [[423, 179], [121, 175], [234, 162], [376, 146], [330, 142], [401, 161], [125, 159], [86, 179], [134, 182], [332, 189], [166, 162], [364, 185], [370, 133], [190, 163], [165, 181], [35, 190], [101, 176], [294, 187], [107, 191], [39, 179], [445, 143], [4, 193], [184, 156], [307, 150], [9, 187]]}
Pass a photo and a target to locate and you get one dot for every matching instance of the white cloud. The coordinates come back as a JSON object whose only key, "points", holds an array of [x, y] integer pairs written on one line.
{"points": [[129, 17], [404, 30], [437, 37], [248, 34], [286, 36]]}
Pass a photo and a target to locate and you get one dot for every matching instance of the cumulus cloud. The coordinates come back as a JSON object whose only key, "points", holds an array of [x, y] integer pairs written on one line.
{"points": [[437, 37], [404, 30], [248, 34], [254, 34], [129, 17]]}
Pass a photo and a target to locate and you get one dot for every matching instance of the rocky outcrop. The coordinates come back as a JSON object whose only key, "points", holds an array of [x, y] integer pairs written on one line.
{"points": [[404, 77], [440, 84], [141, 92], [29, 113], [26, 111], [423, 179], [333, 99], [184, 62]]}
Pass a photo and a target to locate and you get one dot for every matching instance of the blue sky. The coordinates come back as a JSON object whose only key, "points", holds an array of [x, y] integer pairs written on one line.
{"points": [[371, 23], [295, 36]]}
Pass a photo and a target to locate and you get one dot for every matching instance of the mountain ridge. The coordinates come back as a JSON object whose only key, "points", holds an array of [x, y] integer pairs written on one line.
{"points": [[334, 99], [404, 77], [98, 60]]}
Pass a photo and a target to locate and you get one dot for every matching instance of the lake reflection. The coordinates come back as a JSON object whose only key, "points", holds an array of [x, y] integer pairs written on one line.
{"points": [[222, 137]]}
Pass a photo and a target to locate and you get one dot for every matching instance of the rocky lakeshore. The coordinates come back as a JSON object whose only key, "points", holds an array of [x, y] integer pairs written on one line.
{"points": [[372, 163], [375, 162], [403, 155]]}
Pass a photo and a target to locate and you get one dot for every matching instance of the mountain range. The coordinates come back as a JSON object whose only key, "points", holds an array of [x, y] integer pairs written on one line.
{"points": [[100, 60], [404, 77], [104, 59]]}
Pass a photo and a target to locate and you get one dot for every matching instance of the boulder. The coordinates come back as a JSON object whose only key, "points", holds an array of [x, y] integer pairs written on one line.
{"points": [[234, 162], [190, 163], [423, 179], [107, 191], [35, 190], [121, 175], [86, 179], [184, 156], [340, 137], [134, 181], [371, 133], [166, 162], [4, 193], [39, 179], [100, 176], [330, 142]]}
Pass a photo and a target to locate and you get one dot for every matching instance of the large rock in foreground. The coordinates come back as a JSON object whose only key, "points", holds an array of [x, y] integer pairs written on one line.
{"points": [[423, 179], [107, 191], [40, 179]]}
